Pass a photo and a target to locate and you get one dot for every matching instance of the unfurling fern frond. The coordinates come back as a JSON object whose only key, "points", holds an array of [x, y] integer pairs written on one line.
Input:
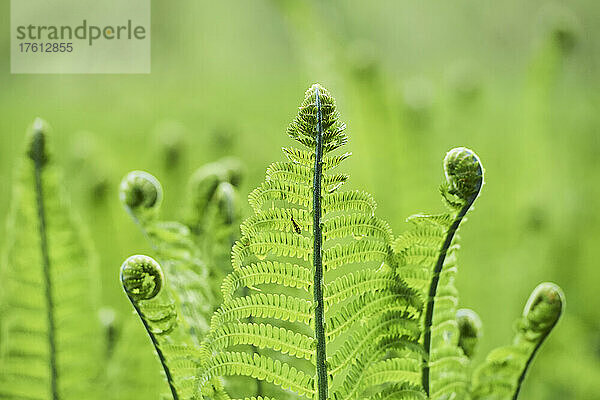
{"points": [[501, 375], [213, 214], [314, 269], [427, 261], [51, 339], [145, 286], [470, 330], [141, 194]]}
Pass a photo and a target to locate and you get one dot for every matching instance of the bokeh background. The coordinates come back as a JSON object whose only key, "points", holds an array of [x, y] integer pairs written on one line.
{"points": [[515, 81]]}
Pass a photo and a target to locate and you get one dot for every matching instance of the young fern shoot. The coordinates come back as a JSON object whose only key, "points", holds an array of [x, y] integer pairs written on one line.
{"points": [[141, 195], [51, 340], [308, 269], [502, 374], [428, 261], [144, 284]]}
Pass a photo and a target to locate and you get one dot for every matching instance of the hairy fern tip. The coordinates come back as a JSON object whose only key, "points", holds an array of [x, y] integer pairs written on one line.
{"points": [[470, 330], [37, 143], [140, 189], [543, 309], [142, 277], [464, 173]]}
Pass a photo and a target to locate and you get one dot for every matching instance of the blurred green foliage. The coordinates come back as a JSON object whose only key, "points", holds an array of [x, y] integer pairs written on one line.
{"points": [[515, 81]]}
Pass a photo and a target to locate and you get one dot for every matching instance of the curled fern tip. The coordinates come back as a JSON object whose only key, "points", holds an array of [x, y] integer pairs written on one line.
{"points": [[544, 307], [142, 277], [470, 330], [318, 110], [464, 173], [140, 189], [37, 148]]}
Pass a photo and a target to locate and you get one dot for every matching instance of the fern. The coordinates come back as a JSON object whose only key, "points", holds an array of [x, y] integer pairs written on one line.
{"points": [[144, 284], [141, 194], [503, 372], [427, 255], [310, 268], [51, 338], [470, 330], [322, 301]]}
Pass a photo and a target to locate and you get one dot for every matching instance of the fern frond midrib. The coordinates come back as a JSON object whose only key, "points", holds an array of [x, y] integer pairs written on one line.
{"points": [[157, 348], [429, 307], [321, 355], [38, 157]]}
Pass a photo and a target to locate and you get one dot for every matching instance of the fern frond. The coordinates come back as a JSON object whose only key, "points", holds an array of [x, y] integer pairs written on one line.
{"points": [[304, 227], [144, 284], [503, 372], [426, 257], [204, 187], [141, 194], [368, 335], [353, 384], [470, 330], [51, 339]]}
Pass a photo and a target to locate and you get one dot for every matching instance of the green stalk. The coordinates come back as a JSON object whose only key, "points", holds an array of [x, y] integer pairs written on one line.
{"points": [[317, 261], [433, 289], [37, 154], [159, 352]]}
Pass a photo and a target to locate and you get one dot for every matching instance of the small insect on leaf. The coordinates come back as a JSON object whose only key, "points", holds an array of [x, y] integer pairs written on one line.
{"points": [[296, 226]]}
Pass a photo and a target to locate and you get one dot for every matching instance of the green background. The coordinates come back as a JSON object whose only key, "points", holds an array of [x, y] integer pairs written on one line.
{"points": [[515, 81]]}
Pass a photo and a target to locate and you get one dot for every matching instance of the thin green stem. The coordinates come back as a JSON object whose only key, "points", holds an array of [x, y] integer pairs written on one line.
{"points": [[317, 261], [37, 154], [527, 364], [161, 356], [435, 278]]}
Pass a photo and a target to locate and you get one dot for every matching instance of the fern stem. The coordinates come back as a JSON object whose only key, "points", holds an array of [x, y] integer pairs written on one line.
{"points": [[433, 290], [317, 261], [37, 154], [527, 364], [159, 352]]}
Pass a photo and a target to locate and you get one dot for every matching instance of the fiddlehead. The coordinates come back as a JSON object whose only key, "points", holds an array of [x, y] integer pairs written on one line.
{"points": [[470, 330], [204, 186], [142, 278], [427, 261], [141, 194], [503, 372], [144, 283]]}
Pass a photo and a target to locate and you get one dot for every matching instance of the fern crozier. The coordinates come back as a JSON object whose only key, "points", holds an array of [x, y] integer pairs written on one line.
{"points": [[142, 277], [470, 329], [140, 190], [464, 173]]}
